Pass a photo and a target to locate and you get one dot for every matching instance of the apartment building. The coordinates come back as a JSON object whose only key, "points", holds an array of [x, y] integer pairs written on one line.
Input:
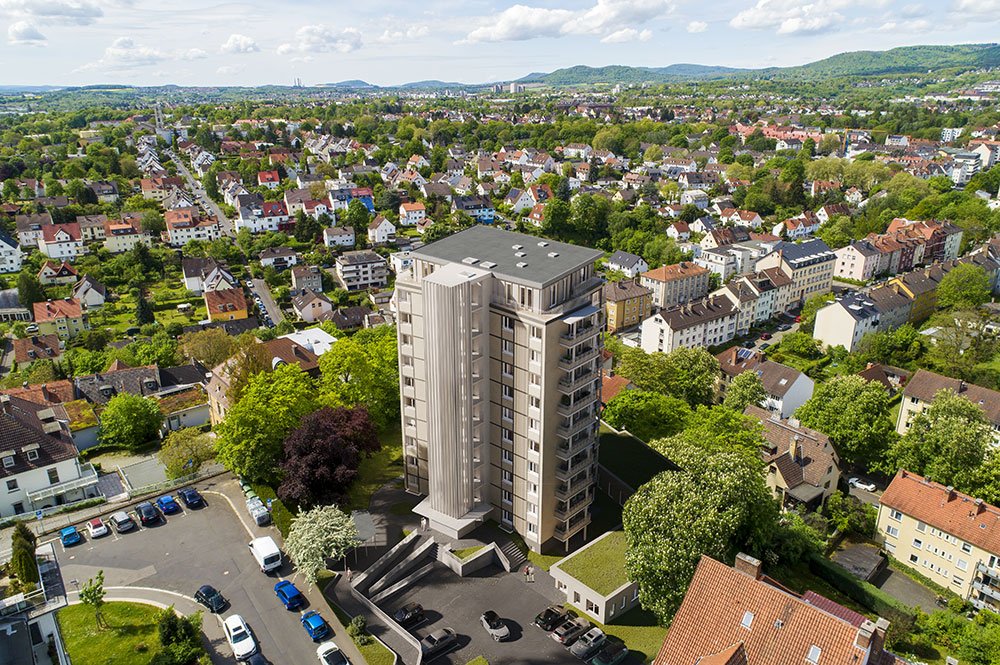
{"points": [[675, 284], [63, 317], [924, 385], [846, 321], [950, 537], [61, 241], [187, 224], [10, 254], [858, 261], [499, 348], [122, 235], [757, 297], [626, 304], [362, 269], [719, 260], [809, 264], [693, 325], [739, 616], [29, 630]]}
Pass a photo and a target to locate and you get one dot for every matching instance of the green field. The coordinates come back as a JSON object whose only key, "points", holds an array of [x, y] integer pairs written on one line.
{"points": [[130, 639], [380, 469]]}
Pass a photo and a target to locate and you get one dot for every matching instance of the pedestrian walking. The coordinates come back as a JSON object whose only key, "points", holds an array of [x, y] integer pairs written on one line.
{"points": [[349, 574]]}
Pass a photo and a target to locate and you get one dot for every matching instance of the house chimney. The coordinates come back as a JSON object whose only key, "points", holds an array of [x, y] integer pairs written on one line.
{"points": [[795, 448], [951, 492], [866, 631], [747, 565], [980, 506]]}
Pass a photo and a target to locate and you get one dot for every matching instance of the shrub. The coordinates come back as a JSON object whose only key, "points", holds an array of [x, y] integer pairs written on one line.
{"points": [[863, 593]]}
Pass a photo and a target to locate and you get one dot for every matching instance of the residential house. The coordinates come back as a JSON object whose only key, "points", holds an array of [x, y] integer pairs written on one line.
{"points": [[629, 264], [525, 199], [698, 324], [187, 224], [745, 218], [828, 212], [37, 347], [381, 231], [350, 318], [278, 258], [758, 297], [123, 235], [582, 576], [361, 269], [206, 275], [91, 227], [787, 388], [269, 179], [846, 321], [950, 537], [184, 408], [480, 208], [626, 304], [924, 385], [40, 465], [412, 214], [91, 293], [64, 318], [57, 273], [106, 192], [858, 261], [338, 236], [679, 231], [803, 468], [676, 283], [400, 261], [696, 197], [739, 616], [797, 228], [306, 278], [10, 254], [258, 216], [720, 261], [809, 264], [891, 378], [312, 306], [226, 304], [157, 189], [61, 241]]}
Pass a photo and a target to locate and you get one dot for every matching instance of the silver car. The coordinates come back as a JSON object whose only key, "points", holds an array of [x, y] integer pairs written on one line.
{"points": [[589, 643], [569, 630], [495, 626]]}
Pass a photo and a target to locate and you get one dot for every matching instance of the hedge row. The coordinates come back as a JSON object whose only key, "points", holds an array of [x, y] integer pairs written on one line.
{"points": [[861, 592]]}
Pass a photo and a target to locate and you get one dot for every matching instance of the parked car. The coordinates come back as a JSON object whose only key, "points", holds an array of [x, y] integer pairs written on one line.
{"points": [[168, 505], [257, 659], [122, 521], [569, 630], [785, 327], [589, 643], [438, 642], [765, 345], [861, 485], [765, 335], [241, 641], [97, 528], [191, 497], [748, 344], [316, 626], [147, 514], [330, 654], [495, 626], [409, 615], [289, 595], [612, 654], [550, 617], [210, 597], [69, 536]]}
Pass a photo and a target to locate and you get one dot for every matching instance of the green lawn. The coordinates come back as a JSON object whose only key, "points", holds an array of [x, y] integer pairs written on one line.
{"points": [[478, 661], [466, 552], [637, 628], [630, 459], [600, 566], [380, 469], [130, 639], [375, 653]]}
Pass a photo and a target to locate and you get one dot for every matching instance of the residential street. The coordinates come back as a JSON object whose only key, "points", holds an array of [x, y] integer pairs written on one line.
{"points": [[194, 186]]}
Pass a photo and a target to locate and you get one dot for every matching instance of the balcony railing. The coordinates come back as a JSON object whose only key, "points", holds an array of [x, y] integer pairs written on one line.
{"points": [[567, 407], [573, 360], [989, 590], [568, 490], [986, 570], [566, 450], [565, 532], [88, 477], [567, 431], [568, 384]]}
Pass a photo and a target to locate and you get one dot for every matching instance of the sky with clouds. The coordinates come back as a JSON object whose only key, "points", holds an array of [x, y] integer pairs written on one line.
{"points": [[251, 42]]}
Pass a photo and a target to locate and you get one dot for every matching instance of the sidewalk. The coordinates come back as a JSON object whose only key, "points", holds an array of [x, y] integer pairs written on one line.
{"points": [[339, 593]]}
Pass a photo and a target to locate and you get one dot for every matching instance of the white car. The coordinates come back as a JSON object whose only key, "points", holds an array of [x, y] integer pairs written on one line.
{"points": [[330, 654], [97, 528], [238, 635], [861, 485]]}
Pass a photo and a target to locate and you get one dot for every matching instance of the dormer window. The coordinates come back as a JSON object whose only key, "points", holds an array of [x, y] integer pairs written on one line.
{"points": [[107, 391], [8, 461], [32, 455]]}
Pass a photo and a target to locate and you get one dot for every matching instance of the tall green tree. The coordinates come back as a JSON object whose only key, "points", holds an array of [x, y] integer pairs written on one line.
{"points": [[92, 595], [29, 290], [143, 311], [689, 374], [185, 450], [715, 429], [271, 405], [363, 370], [855, 415], [717, 505], [745, 389], [129, 421], [325, 532], [646, 415], [966, 286]]}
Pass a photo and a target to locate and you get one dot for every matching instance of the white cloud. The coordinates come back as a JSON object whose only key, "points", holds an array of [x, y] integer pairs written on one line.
{"points": [[323, 39], [977, 7], [64, 12], [411, 32], [229, 70], [23, 32], [239, 44], [914, 10], [193, 54], [911, 26], [628, 35], [697, 26], [789, 17], [125, 54], [606, 17]]}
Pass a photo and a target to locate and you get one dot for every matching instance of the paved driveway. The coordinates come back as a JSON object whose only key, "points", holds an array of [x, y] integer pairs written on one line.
{"points": [[457, 602], [261, 289], [206, 546]]}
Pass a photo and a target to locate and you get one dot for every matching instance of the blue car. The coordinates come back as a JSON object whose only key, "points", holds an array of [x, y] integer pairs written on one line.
{"points": [[69, 536], [191, 497], [289, 596], [315, 625], [168, 505]]}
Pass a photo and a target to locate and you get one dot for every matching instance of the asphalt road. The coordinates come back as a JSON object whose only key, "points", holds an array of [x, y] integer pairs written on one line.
{"points": [[195, 187], [206, 546], [261, 289], [455, 602]]}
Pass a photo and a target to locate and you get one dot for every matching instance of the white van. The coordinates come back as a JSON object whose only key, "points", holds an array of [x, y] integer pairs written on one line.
{"points": [[266, 552]]}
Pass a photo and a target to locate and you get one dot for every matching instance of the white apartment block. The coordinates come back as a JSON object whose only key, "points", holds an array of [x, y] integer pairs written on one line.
{"points": [[810, 265], [694, 325], [10, 254], [499, 348], [945, 535], [362, 269]]}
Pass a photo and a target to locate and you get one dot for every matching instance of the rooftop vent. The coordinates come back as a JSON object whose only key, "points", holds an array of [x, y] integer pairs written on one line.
{"points": [[470, 261], [519, 254], [542, 243], [488, 265], [517, 246], [522, 264], [553, 255]]}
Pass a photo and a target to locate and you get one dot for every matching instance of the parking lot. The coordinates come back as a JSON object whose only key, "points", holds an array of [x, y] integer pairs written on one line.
{"points": [[458, 602], [195, 547]]}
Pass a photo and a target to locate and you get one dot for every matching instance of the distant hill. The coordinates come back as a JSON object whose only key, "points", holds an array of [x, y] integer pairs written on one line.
{"points": [[354, 84], [903, 60]]}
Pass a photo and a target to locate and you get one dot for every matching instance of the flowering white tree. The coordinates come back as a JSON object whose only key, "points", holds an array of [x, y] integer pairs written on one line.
{"points": [[325, 532]]}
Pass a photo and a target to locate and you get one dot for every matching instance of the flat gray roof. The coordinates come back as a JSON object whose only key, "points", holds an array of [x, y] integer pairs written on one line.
{"points": [[495, 251]]}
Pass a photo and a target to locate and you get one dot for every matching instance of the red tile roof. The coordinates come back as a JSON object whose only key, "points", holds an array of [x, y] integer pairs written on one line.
{"points": [[225, 300], [612, 385], [680, 270], [952, 512], [51, 310], [70, 228], [36, 347]]}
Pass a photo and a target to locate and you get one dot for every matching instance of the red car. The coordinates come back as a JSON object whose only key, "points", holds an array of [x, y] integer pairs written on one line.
{"points": [[798, 319], [765, 335]]}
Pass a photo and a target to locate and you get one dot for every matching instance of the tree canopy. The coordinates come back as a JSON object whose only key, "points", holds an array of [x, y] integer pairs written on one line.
{"points": [[129, 421], [646, 415], [325, 532]]}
